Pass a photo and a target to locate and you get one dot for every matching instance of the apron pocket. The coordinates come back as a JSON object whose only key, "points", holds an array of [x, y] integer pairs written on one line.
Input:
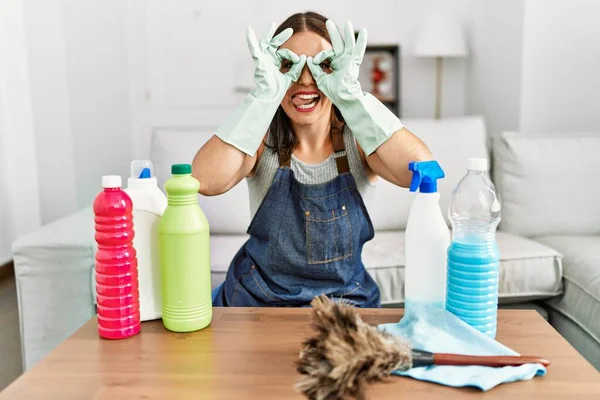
{"points": [[328, 235]]}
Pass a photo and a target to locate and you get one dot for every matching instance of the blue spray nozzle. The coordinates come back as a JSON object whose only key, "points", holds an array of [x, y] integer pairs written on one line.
{"points": [[425, 176], [142, 169], [145, 174]]}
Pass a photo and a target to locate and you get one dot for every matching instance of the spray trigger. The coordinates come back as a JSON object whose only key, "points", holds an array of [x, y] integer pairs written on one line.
{"points": [[425, 176]]}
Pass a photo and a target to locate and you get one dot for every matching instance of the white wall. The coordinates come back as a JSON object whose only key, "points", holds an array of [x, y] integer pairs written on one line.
{"points": [[395, 21], [195, 54], [98, 85], [7, 226], [561, 66], [19, 195], [79, 89], [534, 66], [494, 71], [49, 91]]}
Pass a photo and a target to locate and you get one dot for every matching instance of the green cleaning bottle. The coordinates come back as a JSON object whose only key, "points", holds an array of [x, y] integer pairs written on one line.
{"points": [[184, 255]]}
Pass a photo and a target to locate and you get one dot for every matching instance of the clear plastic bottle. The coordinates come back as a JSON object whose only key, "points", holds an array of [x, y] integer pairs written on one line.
{"points": [[473, 255]]}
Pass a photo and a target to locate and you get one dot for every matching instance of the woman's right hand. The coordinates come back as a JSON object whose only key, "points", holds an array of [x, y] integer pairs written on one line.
{"points": [[231, 154], [271, 82]]}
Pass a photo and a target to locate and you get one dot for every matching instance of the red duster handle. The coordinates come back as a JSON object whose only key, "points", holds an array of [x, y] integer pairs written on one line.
{"points": [[488, 361]]}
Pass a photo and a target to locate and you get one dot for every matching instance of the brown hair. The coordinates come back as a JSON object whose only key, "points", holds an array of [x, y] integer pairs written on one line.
{"points": [[282, 137]]}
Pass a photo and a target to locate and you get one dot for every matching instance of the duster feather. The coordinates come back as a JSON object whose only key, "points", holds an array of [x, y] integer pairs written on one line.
{"points": [[345, 353]]}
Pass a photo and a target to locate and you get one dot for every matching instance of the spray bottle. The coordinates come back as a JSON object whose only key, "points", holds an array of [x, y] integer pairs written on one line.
{"points": [[427, 239]]}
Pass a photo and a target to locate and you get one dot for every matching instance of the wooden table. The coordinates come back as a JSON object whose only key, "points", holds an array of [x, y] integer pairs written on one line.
{"points": [[249, 354]]}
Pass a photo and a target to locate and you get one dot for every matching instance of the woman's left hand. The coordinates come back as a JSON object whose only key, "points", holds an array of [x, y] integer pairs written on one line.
{"points": [[371, 122], [341, 85]]}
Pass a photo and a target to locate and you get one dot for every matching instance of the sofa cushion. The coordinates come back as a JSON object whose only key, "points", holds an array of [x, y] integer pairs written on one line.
{"points": [[580, 301], [222, 250], [538, 175], [528, 270], [452, 141], [228, 213]]}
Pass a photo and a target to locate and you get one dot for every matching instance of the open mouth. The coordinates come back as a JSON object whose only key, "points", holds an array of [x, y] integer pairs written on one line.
{"points": [[305, 101]]}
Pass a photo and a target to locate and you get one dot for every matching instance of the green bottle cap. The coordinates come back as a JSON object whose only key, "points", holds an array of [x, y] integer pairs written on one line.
{"points": [[181, 169]]}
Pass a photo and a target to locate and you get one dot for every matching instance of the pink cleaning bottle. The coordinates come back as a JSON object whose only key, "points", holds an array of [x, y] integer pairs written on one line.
{"points": [[116, 262]]}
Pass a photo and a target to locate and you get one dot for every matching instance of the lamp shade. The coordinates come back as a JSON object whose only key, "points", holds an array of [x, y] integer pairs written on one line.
{"points": [[441, 35]]}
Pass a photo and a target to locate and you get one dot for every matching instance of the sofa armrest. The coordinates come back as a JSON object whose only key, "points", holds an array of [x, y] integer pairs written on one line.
{"points": [[53, 271]]}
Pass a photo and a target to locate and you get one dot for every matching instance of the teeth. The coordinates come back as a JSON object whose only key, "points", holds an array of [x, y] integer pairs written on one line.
{"points": [[311, 105], [308, 96]]}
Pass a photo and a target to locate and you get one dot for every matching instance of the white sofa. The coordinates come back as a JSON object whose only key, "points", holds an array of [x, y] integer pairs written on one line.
{"points": [[550, 188], [54, 265]]}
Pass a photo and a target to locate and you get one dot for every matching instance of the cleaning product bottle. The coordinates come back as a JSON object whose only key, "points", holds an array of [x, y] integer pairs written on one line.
{"points": [[149, 204], [473, 256], [184, 255], [116, 263], [427, 238]]}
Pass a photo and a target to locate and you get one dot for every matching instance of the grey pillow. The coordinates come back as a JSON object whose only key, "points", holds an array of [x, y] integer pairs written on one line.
{"points": [[548, 183]]}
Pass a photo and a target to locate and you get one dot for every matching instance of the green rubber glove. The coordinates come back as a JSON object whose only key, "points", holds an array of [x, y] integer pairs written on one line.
{"points": [[371, 122], [246, 127]]}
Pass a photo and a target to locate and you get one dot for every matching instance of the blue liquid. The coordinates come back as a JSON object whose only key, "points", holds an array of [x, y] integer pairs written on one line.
{"points": [[472, 286]]}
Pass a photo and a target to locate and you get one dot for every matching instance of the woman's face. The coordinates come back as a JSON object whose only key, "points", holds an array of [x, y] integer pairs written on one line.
{"points": [[304, 103]]}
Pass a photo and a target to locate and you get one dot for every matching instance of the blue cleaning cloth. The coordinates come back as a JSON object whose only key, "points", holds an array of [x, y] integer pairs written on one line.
{"points": [[437, 330]]}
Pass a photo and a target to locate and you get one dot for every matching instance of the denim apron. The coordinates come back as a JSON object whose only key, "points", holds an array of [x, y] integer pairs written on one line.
{"points": [[305, 240]]}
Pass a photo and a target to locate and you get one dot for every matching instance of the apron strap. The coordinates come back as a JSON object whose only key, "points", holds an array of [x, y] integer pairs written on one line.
{"points": [[339, 153], [284, 161]]}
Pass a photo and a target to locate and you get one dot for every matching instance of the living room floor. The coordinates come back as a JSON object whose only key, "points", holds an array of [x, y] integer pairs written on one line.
{"points": [[10, 345]]}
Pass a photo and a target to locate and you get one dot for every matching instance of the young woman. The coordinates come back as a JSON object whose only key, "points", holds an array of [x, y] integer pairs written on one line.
{"points": [[310, 143]]}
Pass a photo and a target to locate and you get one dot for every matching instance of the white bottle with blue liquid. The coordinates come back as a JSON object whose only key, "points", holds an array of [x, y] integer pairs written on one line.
{"points": [[427, 238], [473, 256]]}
